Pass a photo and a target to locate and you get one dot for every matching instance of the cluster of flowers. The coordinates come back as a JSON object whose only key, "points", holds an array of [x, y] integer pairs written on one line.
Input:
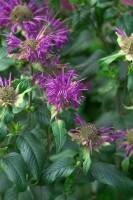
{"points": [[43, 35]]}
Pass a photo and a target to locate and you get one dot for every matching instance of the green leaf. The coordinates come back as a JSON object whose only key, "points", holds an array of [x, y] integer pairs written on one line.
{"points": [[110, 175], [53, 111], [55, 4], [32, 193], [37, 67], [130, 83], [90, 66], [7, 116], [80, 43], [66, 153], [14, 167], [21, 106], [60, 169], [63, 197], [79, 2], [87, 160], [5, 183], [3, 52], [59, 131], [5, 62], [128, 107], [109, 59], [125, 164], [20, 102], [40, 192], [12, 194], [23, 84], [3, 131], [42, 115], [32, 152]]}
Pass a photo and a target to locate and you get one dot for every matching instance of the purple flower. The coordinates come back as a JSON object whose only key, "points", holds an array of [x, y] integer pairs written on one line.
{"points": [[51, 70], [64, 91], [41, 47], [5, 82], [120, 32], [127, 136], [79, 120], [15, 14], [130, 2], [87, 134], [128, 143], [55, 30]]}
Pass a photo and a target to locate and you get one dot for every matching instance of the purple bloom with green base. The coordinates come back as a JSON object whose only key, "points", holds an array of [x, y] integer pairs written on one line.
{"points": [[16, 14], [42, 47], [64, 90]]}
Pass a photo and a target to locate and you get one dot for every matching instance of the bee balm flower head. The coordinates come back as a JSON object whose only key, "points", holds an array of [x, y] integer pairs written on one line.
{"points": [[16, 13], [88, 135]]}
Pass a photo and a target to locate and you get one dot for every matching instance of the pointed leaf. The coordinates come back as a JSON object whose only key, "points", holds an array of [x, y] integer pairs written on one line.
{"points": [[59, 131], [40, 192], [125, 164], [13, 194], [109, 59], [3, 131], [14, 167], [87, 160], [60, 169], [32, 152], [110, 175]]}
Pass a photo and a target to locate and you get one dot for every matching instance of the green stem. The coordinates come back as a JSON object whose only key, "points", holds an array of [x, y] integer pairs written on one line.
{"points": [[49, 140], [30, 101], [76, 176], [116, 3], [4, 111]]}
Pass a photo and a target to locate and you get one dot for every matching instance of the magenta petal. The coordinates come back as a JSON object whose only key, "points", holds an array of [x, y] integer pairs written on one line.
{"points": [[120, 32], [79, 120], [129, 150], [106, 137], [125, 144]]}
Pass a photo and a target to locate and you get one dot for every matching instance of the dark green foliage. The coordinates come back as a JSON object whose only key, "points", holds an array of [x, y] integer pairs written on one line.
{"points": [[39, 160]]}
